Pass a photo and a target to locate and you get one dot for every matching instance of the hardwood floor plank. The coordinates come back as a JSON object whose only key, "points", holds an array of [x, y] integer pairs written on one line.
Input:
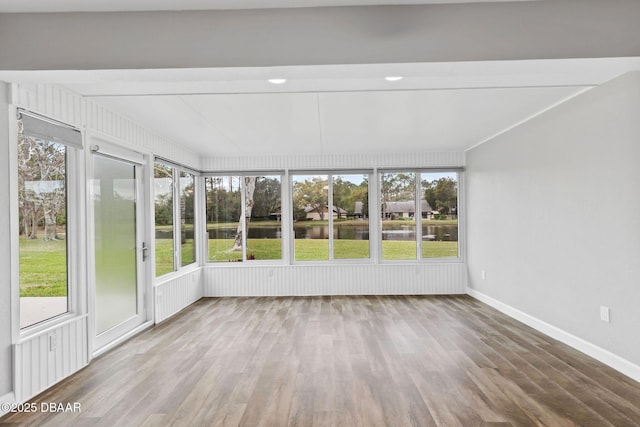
{"points": [[342, 361]]}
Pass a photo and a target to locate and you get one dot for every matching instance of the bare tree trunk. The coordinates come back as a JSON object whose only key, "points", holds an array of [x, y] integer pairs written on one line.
{"points": [[33, 218], [249, 189], [49, 224]]}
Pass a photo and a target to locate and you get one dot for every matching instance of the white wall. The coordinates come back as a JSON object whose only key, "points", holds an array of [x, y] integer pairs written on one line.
{"points": [[5, 248], [554, 220], [369, 279], [346, 161]]}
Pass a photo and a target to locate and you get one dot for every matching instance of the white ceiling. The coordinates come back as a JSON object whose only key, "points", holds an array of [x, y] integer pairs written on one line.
{"points": [[337, 109], [10, 6], [336, 122]]}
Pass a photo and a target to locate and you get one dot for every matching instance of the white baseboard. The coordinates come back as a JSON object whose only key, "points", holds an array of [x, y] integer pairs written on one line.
{"points": [[612, 360], [7, 398]]}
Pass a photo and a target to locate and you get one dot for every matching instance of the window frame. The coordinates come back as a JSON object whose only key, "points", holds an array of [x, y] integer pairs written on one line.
{"points": [[176, 170], [331, 173], [178, 242], [375, 211], [284, 219], [75, 245], [459, 171]]}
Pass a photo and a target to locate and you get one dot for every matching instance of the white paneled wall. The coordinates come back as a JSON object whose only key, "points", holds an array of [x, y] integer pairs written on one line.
{"points": [[46, 358], [38, 363], [399, 279], [336, 161], [68, 107], [174, 294]]}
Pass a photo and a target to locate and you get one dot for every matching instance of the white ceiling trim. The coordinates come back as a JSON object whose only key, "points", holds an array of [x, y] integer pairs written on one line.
{"points": [[334, 78]]}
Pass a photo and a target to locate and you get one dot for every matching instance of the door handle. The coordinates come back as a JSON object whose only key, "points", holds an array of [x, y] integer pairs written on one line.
{"points": [[144, 251]]}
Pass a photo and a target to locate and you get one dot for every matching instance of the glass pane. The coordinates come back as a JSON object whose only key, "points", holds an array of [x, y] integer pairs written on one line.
{"points": [[114, 203], [223, 216], [310, 215], [187, 210], [397, 193], [350, 216], [42, 217], [263, 206], [439, 214], [163, 198]]}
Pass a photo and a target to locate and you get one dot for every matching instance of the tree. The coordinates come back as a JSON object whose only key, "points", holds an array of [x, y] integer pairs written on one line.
{"points": [[163, 204], [311, 195], [442, 195], [266, 198], [41, 180], [343, 195], [223, 201], [361, 194], [396, 187], [249, 190]]}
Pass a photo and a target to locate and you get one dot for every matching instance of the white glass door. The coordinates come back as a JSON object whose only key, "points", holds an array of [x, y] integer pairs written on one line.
{"points": [[118, 270]]}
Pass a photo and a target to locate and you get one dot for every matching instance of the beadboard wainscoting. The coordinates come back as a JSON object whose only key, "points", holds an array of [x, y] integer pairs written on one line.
{"points": [[176, 293], [446, 159], [44, 359], [392, 279]]}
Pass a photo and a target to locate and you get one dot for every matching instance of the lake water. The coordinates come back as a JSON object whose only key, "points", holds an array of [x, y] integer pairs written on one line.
{"points": [[347, 232]]}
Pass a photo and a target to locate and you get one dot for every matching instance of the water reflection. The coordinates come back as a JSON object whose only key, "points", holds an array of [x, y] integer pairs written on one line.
{"points": [[443, 233]]}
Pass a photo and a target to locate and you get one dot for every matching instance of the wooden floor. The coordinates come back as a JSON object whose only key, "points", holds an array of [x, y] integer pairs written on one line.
{"points": [[342, 361]]}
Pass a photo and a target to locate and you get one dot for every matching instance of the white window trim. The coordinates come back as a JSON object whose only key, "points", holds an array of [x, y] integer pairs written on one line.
{"points": [[198, 208], [375, 223], [76, 248], [283, 247], [331, 173]]}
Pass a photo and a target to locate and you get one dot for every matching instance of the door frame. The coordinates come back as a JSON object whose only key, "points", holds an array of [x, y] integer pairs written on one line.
{"points": [[107, 147]]}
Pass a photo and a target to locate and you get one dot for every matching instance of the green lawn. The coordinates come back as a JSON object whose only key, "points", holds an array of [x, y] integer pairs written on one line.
{"points": [[43, 268], [318, 249], [261, 249], [398, 250], [164, 255]]}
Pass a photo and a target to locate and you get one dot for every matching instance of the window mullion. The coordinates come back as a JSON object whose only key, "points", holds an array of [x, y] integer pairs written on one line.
{"points": [[330, 213], [418, 214], [243, 215], [177, 222]]}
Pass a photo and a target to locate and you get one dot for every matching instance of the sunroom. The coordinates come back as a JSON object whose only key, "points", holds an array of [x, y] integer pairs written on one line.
{"points": [[356, 149]]}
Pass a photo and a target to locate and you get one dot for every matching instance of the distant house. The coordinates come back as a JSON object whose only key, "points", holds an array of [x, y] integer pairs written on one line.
{"points": [[405, 209], [358, 212], [314, 213]]}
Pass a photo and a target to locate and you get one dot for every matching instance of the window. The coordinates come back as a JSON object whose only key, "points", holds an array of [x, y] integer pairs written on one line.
{"points": [[174, 211], [187, 218], [244, 217], [311, 217], [44, 273], [327, 216], [398, 214], [440, 218], [351, 216], [419, 215], [330, 214], [164, 212]]}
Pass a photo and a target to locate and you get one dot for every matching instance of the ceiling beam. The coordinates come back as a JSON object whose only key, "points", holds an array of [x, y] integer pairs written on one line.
{"points": [[320, 36]]}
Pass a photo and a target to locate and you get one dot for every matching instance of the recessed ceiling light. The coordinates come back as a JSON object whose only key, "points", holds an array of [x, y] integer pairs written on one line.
{"points": [[277, 81], [393, 78]]}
